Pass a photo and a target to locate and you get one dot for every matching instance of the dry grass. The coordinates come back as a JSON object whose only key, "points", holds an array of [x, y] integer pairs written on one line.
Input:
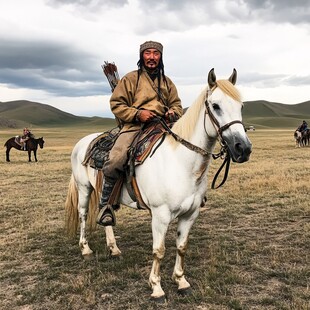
{"points": [[248, 250]]}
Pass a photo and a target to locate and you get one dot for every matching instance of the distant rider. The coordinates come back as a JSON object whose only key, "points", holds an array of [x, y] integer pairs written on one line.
{"points": [[25, 137]]}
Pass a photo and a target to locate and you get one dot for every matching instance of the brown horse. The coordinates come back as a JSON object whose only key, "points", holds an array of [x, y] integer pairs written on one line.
{"points": [[31, 146]]}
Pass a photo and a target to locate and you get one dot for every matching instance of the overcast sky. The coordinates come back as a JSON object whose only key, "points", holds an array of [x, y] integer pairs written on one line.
{"points": [[51, 51]]}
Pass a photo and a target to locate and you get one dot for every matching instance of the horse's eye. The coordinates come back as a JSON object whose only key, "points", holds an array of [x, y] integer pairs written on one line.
{"points": [[215, 106]]}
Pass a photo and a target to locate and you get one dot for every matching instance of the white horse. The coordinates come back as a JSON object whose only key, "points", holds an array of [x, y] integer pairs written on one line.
{"points": [[298, 138], [173, 182]]}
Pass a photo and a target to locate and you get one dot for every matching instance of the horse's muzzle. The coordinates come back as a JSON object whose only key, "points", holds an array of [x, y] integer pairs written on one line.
{"points": [[239, 148]]}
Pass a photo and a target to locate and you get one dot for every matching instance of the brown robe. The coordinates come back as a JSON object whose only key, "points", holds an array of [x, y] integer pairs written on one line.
{"points": [[129, 96]]}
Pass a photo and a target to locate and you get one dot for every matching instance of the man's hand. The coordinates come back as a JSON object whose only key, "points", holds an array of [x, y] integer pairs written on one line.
{"points": [[145, 116], [170, 115]]}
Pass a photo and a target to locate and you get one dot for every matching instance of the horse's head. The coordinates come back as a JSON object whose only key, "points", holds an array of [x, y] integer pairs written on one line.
{"points": [[297, 134], [224, 107], [41, 142]]}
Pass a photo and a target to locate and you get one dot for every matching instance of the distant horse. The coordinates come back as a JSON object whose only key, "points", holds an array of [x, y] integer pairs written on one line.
{"points": [[305, 137], [31, 146], [302, 138], [298, 138], [173, 181]]}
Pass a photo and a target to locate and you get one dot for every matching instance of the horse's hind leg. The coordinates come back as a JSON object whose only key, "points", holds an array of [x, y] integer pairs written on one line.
{"points": [[29, 155], [83, 207], [84, 196], [184, 225]]}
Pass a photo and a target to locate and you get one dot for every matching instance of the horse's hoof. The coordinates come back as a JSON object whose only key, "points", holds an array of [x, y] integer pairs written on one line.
{"points": [[159, 300], [115, 257], [185, 291], [88, 257]]}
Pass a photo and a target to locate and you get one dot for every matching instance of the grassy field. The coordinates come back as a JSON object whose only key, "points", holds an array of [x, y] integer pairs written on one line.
{"points": [[249, 248]]}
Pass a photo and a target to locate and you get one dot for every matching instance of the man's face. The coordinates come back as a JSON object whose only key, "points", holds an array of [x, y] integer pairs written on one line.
{"points": [[151, 58]]}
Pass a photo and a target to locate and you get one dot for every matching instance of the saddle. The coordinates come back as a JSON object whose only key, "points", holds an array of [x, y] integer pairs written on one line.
{"points": [[98, 150], [140, 149]]}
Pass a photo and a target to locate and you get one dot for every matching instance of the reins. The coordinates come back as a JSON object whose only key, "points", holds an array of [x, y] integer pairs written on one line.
{"points": [[189, 145], [203, 152]]}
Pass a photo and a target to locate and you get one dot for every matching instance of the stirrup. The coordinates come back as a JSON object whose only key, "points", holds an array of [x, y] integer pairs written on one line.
{"points": [[106, 216]]}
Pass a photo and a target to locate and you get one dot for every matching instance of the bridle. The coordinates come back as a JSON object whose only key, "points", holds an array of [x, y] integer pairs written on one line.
{"points": [[213, 119], [224, 152]]}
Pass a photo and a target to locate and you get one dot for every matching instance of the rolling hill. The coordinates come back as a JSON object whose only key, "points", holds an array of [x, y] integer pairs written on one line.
{"points": [[260, 113], [21, 113], [265, 114]]}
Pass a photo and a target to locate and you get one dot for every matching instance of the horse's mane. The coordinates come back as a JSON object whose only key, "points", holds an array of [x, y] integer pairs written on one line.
{"points": [[229, 89], [184, 127]]}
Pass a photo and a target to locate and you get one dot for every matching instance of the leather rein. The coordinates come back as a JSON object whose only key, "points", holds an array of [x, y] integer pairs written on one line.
{"points": [[224, 152]]}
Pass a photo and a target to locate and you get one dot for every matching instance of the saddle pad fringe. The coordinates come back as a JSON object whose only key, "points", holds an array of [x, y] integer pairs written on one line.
{"points": [[99, 148]]}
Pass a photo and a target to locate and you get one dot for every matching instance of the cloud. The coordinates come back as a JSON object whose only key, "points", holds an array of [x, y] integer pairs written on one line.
{"points": [[53, 49], [52, 66], [180, 15], [91, 5], [287, 11]]}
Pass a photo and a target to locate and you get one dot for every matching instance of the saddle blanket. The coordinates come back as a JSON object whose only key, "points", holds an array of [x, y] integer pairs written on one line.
{"points": [[98, 150], [18, 140]]}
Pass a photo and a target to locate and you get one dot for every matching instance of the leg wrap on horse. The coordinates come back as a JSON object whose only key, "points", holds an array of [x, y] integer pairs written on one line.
{"points": [[106, 216]]}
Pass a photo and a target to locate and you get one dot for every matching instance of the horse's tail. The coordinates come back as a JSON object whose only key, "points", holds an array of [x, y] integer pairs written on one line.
{"points": [[72, 201], [71, 208]]}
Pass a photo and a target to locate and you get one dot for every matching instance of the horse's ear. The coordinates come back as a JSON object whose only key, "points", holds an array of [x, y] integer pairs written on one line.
{"points": [[233, 77], [211, 78]]}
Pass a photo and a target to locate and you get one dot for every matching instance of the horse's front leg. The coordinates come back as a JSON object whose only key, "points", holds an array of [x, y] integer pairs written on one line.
{"points": [[35, 155], [185, 224], [160, 223], [29, 155], [7, 153]]}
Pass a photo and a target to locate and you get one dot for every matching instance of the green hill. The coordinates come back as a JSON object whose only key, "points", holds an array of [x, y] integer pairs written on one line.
{"points": [[265, 114], [260, 113], [22, 113]]}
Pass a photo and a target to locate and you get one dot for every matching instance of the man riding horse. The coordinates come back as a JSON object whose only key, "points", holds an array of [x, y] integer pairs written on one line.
{"points": [[303, 126], [139, 96]]}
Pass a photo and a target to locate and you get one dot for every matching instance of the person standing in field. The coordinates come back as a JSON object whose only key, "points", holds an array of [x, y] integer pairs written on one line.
{"points": [[138, 97]]}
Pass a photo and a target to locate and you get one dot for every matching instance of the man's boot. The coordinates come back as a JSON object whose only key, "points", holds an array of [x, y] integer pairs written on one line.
{"points": [[106, 216]]}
